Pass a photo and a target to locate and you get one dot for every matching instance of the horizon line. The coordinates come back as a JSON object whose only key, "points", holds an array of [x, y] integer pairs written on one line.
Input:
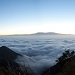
{"points": [[34, 33]]}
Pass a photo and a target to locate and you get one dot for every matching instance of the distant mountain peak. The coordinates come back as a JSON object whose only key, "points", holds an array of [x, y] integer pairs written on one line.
{"points": [[45, 33]]}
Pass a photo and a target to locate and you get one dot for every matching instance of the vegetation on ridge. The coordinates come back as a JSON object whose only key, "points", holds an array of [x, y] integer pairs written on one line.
{"points": [[65, 65], [11, 71], [69, 67]]}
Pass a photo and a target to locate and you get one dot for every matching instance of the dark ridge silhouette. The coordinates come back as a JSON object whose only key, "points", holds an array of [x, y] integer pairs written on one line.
{"points": [[8, 66], [7, 57], [8, 54], [60, 67]]}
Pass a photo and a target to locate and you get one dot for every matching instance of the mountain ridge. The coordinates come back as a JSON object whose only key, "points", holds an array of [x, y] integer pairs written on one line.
{"points": [[45, 33], [38, 33]]}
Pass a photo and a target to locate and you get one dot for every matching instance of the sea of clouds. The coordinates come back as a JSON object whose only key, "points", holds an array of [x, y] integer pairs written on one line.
{"points": [[40, 52]]}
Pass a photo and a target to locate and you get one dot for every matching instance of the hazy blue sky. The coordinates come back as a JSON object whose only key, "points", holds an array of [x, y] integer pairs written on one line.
{"points": [[31, 16]]}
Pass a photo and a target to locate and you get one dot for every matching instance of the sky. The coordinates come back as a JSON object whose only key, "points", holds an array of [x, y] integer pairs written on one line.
{"points": [[31, 16]]}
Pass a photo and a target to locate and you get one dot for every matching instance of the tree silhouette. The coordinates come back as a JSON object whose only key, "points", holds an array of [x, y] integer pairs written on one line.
{"points": [[67, 54]]}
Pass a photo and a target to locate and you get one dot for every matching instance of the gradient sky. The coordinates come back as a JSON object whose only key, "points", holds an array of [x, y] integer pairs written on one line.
{"points": [[31, 16]]}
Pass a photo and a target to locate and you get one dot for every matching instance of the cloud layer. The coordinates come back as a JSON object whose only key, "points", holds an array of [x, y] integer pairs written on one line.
{"points": [[43, 50]]}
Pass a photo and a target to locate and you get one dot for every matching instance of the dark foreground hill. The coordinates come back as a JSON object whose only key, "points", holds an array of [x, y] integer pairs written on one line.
{"points": [[65, 65], [8, 56], [8, 66]]}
